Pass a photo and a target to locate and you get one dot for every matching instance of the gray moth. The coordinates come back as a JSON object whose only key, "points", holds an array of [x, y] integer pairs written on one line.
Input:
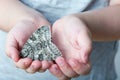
{"points": [[39, 46]]}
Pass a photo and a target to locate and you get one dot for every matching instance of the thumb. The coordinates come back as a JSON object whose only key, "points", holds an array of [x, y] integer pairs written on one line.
{"points": [[12, 48], [85, 44]]}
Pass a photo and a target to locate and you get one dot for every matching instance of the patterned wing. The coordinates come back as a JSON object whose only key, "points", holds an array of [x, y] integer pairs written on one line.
{"points": [[39, 46]]}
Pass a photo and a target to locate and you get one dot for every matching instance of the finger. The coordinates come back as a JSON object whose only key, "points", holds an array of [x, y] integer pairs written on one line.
{"points": [[79, 68], [12, 48], [13, 53], [65, 68], [54, 69], [23, 63], [45, 66], [34, 67], [85, 44], [84, 54]]}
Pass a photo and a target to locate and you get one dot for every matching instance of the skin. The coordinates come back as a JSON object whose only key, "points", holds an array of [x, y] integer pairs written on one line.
{"points": [[75, 60], [103, 27], [21, 22], [74, 41]]}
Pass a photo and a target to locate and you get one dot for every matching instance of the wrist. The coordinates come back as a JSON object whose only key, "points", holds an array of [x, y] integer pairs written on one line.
{"points": [[83, 18], [37, 19], [31, 15]]}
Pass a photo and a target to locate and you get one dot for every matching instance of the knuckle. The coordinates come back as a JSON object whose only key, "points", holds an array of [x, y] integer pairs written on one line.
{"points": [[72, 75]]}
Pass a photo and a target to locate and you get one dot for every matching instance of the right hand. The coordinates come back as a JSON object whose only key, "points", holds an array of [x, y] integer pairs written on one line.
{"points": [[16, 38]]}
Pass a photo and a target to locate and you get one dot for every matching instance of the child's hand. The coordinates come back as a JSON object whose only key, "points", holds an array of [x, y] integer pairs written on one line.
{"points": [[73, 39], [15, 41]]}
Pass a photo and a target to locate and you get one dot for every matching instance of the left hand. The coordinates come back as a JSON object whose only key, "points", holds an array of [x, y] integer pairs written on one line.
{"points": [[73, 38]]}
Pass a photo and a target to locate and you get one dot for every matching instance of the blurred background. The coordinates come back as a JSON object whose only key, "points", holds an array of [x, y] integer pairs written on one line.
{"points": [[117, 62], [2, 45]]}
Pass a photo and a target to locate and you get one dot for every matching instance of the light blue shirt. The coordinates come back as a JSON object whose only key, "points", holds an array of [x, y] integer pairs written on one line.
{"points": [[103, 54]]}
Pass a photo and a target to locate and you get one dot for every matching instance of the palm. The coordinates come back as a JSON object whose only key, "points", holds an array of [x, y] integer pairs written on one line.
{"points": [[17, 37], [72, 39], [67, 44]]}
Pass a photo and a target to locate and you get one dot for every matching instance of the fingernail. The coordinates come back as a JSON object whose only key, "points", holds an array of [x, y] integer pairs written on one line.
{"points": [[16, 66], [30, 72], [41, 71], [31, 69]]}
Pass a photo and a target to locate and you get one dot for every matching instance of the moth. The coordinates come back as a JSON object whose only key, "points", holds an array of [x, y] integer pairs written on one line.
{"points": [[39, 46]]}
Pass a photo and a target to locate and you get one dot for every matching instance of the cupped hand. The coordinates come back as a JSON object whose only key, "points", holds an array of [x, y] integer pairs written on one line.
{"points": [[16, 38], [73, 38]]}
